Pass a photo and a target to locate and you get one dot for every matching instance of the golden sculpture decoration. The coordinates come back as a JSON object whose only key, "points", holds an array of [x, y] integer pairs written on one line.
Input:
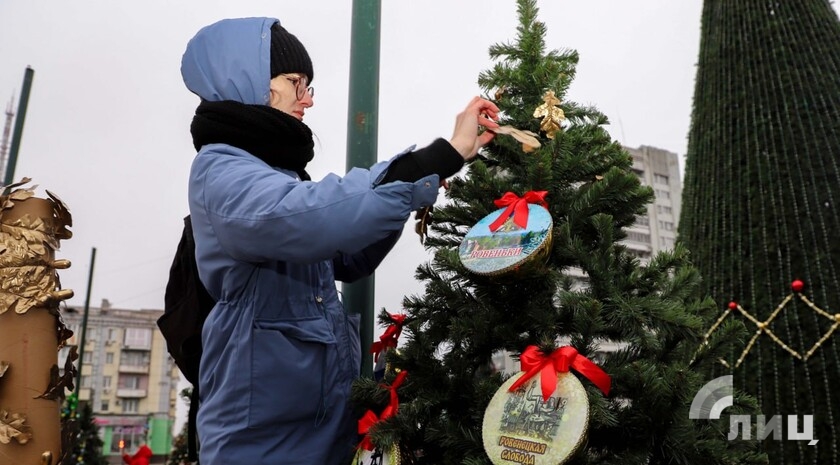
{"points": [[763, 327], [31, 329]]}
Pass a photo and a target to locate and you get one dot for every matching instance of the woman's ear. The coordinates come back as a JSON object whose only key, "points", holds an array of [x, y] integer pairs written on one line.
{"points": [[273, 95]]}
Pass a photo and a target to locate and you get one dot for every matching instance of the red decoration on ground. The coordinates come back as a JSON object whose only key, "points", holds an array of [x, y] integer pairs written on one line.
{"points": [[797, 286]]}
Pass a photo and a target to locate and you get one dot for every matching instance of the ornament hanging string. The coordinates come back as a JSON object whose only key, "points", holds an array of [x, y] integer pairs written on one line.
{"points": [[518, 207], [389, 337], [370, 419], [533, 361]]}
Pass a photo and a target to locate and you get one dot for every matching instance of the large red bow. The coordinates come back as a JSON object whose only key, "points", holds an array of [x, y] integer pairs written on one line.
{"points": [[389, 337], [370, 418], [518, 207], [365, 423], [533, 361]]}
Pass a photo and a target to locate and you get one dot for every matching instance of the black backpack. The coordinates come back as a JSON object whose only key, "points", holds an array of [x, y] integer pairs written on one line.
{"points": [[186, 305]]}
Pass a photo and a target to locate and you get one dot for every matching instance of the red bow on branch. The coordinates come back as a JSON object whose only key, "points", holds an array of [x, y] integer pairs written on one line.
{"points": [[389, 337], [533, 361], [365, 424], [370, 418], [518, 207]]}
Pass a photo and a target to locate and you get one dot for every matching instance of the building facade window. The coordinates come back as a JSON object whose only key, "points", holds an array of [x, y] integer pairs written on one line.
{"points": [[103, 406], [642, 220], [660, 179], [666, 225], [109, 358], [138, 338], [663, 209], [134, 358], [133, 382], [85, 381], [87, 357], [638, 237], [130, 405], [106, 381]]}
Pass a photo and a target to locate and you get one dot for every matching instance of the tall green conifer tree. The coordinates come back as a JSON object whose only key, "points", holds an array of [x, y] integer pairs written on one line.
{"points": [[655, 313], [761, 205]]}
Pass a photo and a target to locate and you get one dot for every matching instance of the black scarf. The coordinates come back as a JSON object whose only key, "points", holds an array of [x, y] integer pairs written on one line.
{"points": [[274, 137]]}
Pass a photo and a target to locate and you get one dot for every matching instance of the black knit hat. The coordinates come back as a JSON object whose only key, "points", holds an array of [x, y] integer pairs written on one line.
{"points": [[287, 54]]}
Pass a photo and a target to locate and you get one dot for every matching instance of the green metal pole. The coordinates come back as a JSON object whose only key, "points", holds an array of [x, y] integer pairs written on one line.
{"points": [[84, 325], [362, 128], [18, 131]]}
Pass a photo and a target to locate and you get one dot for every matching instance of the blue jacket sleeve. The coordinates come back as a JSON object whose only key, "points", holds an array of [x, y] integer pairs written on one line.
{"points": [[258, 213], [352, 267]]}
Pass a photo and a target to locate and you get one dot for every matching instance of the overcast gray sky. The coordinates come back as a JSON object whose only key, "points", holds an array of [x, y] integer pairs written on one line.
{"points": [[107, 128]]}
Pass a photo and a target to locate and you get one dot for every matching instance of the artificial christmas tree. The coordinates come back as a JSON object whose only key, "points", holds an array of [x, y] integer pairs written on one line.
{"points": [[180, 448], [760, 205], [626, 406]]}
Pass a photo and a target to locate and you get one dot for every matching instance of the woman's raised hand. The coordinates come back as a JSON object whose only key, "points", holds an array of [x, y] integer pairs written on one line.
{"points": [[480, 113]]}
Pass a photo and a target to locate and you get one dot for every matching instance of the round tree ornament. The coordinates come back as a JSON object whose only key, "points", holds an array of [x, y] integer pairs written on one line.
{"points": [[540, 416], [516, 235], [524, 427], [377, 457]]}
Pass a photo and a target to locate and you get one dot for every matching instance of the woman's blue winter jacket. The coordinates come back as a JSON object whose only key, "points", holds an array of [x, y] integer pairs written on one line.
{"points": [[280, 351]]}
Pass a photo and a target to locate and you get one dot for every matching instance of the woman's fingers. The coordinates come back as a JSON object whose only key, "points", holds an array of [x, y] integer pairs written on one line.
{"points": [[487, 123], [485, 138]]}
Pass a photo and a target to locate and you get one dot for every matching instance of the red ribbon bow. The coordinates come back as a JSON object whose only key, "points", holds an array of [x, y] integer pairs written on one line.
{"points": [[370, 418], [389, 337], [533, 361], [365, 423], [518, 207]]}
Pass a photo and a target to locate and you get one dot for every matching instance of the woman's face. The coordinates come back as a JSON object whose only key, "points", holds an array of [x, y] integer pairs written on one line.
{"points": [[290, 94]]}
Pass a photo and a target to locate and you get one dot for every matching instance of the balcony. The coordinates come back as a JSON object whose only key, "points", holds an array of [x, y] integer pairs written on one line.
{"points": [[141, 369], [131, 393]]}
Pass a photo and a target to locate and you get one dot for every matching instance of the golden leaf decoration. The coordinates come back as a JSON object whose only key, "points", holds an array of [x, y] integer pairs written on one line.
{"points": [[63, 333], [22, 194], [55, 390], [23, 181], [552, 115], [527, 138], [423, 218], [12, 427], [500, 92], [64, 217]]}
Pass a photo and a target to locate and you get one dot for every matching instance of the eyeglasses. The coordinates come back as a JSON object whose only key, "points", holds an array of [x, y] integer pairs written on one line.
{"points": [[301, 88]]}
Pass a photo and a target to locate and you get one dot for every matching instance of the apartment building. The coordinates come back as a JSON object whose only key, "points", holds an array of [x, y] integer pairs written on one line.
{"points": [[651, 233], [128, 378], [657, 230]]}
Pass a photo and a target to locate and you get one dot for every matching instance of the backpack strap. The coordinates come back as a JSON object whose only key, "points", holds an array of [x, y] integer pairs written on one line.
{"points": [[192, 417]]}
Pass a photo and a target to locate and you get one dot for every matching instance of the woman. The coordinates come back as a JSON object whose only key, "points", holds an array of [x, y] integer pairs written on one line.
{"points": [[280, 352]]}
